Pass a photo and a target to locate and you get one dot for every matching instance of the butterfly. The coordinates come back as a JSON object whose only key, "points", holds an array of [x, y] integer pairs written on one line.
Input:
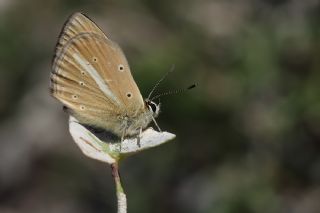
{"points": [[91, 77]]}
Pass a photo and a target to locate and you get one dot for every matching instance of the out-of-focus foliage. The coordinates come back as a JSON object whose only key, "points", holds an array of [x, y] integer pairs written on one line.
{"points": [[248, 138]]}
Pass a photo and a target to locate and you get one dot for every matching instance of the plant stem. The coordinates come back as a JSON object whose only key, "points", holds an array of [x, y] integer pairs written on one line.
{"points": [[121, 196]]}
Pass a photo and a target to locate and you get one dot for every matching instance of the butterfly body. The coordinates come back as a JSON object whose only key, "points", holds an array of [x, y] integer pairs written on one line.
{"points": [[120, 123], [92, 78]]}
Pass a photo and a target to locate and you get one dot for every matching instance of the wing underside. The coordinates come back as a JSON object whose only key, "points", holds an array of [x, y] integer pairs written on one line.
{"points": [[91, 75]]}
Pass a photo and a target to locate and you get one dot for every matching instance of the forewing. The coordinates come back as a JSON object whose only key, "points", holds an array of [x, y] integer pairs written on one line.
{"points": [[75, 25], [91, 75]]}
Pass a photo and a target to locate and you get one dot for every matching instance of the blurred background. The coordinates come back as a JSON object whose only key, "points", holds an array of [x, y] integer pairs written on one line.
{"points": [[248, 137]]}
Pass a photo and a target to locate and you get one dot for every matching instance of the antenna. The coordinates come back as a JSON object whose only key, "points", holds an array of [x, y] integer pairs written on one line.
{"points": [[173, 92], [157, 84]]}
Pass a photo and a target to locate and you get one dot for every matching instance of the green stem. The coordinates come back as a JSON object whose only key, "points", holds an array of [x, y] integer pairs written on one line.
{"points": [[121, 196]]}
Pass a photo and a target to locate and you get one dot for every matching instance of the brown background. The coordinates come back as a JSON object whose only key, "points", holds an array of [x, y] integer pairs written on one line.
{"points": [[248, 138]]}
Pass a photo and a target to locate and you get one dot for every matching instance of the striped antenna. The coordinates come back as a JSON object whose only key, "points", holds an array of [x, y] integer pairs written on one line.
{"points": [[173, 92], [158, 83]]}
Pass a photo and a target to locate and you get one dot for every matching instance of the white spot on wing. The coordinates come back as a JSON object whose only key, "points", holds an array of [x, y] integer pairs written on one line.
{"points": [[129, 95], [96, 77], [120, 67]]}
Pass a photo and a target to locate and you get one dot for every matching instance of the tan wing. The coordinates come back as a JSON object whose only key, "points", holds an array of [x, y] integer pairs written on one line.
{"points": [[91, 75]]}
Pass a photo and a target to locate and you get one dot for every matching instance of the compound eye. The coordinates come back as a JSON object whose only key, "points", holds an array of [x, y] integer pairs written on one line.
{"points": [[152, 107]]}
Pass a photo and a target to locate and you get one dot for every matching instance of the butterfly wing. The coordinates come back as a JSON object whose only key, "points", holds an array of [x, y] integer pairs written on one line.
{"points": [[91, 76]]}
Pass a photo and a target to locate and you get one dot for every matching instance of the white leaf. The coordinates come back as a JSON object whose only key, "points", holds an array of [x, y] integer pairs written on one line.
{"points": [[109, 151]]}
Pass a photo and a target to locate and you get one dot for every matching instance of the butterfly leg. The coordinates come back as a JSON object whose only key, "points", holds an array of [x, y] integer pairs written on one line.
{"points": [[123, 134], [122, 137], [124, 131], [154, 121], [139, 137]]}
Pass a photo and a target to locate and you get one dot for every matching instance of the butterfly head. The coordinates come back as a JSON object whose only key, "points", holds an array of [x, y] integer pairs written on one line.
{"points": [[153, 107]]}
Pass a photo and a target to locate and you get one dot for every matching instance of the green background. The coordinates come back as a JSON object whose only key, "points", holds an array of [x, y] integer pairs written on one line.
{"points": [[248, 137]]}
